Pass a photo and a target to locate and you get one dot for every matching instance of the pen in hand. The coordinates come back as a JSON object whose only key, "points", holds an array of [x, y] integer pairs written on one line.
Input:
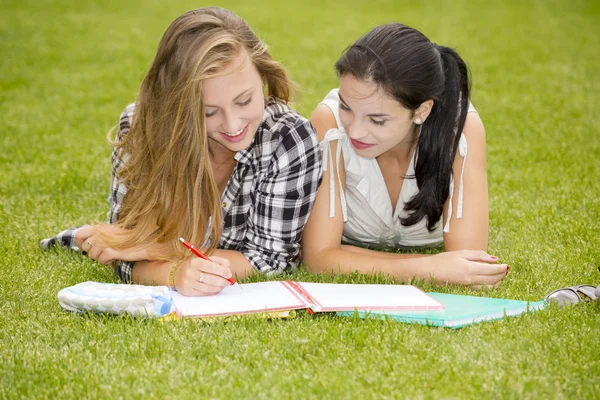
{"points": [[198, 253]]}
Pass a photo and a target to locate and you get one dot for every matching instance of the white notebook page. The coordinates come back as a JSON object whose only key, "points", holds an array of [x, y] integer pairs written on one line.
{"points": [[254, 297], [347, 297]]}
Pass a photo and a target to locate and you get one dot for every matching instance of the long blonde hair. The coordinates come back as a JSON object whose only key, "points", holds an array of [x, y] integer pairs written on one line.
{"points": [[171, 188]]}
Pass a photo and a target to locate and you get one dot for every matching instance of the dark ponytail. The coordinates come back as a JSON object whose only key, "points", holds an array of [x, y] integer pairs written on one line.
{"points": [[411, 69]]}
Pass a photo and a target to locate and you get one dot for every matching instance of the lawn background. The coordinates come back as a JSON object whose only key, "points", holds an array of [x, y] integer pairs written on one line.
{"points": [[68, 68]]}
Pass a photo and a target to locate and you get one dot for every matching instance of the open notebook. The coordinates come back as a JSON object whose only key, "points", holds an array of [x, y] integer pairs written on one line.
{"points": [[459, 311], [269, 299], [281, 296]]}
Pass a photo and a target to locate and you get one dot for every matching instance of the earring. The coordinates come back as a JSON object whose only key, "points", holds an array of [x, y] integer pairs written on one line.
{"points": [[418, 121]]}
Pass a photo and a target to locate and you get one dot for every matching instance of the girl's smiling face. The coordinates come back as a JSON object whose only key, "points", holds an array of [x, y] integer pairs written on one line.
{"points": [[234, 104]]}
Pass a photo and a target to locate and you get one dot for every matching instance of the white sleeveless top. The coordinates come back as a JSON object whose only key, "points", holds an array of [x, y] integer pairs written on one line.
{"points": [[366, 204]]}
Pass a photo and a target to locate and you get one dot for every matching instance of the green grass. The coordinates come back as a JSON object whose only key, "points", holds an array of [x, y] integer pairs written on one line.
{"points": [[68, 69]]}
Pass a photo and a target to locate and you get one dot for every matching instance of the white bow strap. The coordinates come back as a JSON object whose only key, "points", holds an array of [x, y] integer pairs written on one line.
{"points": [[331, 135], [462, 150], [447, 225]]}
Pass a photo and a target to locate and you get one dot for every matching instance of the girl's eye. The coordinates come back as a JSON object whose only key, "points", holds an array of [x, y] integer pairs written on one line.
{"points": [[344, 107], [245, 103], [376, 122], [208, 115]]}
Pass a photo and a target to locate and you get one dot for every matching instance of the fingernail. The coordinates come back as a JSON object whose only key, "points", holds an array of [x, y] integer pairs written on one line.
{"points": [[507, 268], [494, 257]]}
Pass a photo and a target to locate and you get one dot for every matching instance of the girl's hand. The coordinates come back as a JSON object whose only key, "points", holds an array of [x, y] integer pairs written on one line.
{"points": [[198, 277], [88, 241], [475, 268]]}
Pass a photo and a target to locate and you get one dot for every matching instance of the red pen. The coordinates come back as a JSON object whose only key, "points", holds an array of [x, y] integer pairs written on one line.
{"points": [[198, 253]]}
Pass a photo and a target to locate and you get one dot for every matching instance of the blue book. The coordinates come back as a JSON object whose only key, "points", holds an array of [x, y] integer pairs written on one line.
{"points": [[459, 310]]}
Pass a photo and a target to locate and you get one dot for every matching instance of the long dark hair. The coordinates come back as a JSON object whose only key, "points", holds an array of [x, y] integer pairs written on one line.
{"points": [[412, 69]]}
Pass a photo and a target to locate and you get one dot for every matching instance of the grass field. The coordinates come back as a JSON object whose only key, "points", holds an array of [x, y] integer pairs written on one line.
{"points": [[68, 69]]}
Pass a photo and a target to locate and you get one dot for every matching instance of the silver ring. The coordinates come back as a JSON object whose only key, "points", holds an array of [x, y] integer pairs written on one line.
{"points": [[201, 277], [90, 243]]}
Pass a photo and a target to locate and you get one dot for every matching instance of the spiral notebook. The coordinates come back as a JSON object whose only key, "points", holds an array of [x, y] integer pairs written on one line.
{"points": [[282, 296], [459, 311]]}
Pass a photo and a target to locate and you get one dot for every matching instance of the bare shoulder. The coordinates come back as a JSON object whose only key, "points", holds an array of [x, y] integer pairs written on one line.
{"points": [[474, 129], [323, 120]]}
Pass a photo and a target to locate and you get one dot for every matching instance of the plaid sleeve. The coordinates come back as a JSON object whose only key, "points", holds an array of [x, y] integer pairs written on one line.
{"points": [[118, 189], [283, 200], [65, 238]]}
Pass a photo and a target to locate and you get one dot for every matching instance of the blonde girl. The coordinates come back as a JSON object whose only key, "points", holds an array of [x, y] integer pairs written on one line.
{"points": [[210, 152]]}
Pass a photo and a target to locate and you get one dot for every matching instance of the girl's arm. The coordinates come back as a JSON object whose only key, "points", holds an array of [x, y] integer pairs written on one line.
{"points": [[156, 272], [323, 252], [192, 276], [470, 231]]}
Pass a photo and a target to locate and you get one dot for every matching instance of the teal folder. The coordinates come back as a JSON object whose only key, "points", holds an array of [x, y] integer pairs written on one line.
{"points": [[459, 310]]}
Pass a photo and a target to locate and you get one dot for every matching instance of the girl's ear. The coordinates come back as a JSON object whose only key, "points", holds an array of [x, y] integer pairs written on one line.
{"points": [[421, 113]]}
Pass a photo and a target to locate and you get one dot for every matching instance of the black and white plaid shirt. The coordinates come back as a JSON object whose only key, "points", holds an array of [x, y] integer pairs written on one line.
{"points": [[267, 200]]}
